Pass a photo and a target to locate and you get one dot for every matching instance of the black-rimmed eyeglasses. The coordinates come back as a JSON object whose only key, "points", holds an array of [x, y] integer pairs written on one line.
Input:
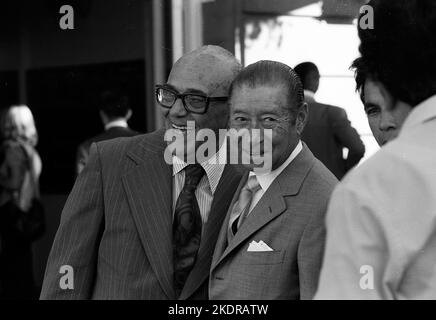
{"points": [[194, 103]]}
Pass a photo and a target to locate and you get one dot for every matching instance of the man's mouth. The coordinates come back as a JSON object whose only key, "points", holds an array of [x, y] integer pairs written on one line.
{"points": [[182, 128]]}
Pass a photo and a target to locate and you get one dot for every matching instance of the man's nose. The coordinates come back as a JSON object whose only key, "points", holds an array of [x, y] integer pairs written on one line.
{"points": [[256, 131], [387, 122], [254, 125], [178, 110]]}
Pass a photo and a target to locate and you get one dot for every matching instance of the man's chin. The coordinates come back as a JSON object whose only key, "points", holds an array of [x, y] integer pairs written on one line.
{"points": [[259, 169]]}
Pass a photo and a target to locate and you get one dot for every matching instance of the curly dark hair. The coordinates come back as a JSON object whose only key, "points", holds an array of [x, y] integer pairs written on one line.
{"points": [[400, 51], [362, 72]]}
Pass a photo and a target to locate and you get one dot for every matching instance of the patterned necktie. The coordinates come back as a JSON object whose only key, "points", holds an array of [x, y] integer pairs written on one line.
{"points": [[187, 227], [242, 207]]}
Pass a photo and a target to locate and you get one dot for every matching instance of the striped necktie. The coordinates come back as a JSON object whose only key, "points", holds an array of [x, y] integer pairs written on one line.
{"points": [[241, 209]]}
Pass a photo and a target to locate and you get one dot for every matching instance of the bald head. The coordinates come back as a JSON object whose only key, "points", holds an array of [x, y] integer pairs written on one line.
{"points": [[208, 72], [212, 67]]}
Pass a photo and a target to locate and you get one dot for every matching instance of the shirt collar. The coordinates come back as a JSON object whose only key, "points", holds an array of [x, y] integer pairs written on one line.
{"points": [[309, 96], [421, 113], [265, 180], [116, 123], [213, 167]]}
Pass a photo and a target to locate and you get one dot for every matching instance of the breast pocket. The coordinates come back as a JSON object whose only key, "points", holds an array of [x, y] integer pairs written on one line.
{"points": [[262, 258]]}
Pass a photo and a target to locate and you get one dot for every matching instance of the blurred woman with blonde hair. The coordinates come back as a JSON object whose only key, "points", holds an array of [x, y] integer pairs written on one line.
{"points": [[21, 213]]}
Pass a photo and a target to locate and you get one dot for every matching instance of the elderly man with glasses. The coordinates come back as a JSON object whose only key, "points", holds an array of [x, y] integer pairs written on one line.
{"points": [[136, 226]]}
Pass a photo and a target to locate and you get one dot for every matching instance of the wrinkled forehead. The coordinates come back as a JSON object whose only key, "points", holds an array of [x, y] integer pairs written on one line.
{"points": [[375, 92], [204, 72], [257, 98]]}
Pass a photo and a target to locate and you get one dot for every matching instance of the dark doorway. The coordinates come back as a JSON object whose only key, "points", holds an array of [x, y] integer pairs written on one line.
{"points": [[64, 101], [8, 88]]}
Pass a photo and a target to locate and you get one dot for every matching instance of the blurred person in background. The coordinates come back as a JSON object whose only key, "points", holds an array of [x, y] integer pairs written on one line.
{"points": [[381, 222], [21, 213], [114, 113], [328, 130], [384, 120]]}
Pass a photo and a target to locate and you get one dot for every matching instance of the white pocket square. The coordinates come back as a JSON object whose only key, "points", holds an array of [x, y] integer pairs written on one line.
{"points": [[258, 247]]}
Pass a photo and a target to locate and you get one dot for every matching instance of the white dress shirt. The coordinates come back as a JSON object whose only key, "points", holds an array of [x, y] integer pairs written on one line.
{"points": [[116, 123], [309, 96], [265, 180], [381, 221], [206, 188]]}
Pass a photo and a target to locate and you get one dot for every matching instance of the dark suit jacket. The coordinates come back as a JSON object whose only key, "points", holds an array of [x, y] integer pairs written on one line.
{"points": [[290, 219], [112, 133], [327, 132], [116, 227]]}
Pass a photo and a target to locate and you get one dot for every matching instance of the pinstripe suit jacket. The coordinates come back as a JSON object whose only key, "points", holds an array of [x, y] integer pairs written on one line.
{"points": [[116, 227], [290, 219]]}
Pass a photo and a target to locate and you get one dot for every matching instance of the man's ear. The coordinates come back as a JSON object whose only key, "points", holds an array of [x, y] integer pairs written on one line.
{"points": [[302, 116]]}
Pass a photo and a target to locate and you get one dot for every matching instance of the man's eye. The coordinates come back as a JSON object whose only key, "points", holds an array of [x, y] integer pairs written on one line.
{"points": [[195, 99], [372, 111], [240, 119], [269, 119]]}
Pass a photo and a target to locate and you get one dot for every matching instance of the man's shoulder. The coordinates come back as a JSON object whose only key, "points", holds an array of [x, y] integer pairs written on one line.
{"points": [[112, 133], [321, 180], [394, 166], [85, 145], [316, 188], [324, 105], [320, 171], [317, 180], [326, 111], [123, 145], [366, 169], [394, 180], [335, 111], [118, 132]]}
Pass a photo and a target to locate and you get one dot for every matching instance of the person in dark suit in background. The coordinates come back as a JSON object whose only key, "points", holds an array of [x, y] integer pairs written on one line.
{"points": [[328, 130], [114, 113], [137, 226]]}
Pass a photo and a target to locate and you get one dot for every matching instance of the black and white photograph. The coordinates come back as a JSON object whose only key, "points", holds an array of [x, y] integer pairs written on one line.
{"points": [[236, 152]]}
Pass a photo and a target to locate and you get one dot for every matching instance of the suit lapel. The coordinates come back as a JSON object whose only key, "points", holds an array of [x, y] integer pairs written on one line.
{"points": [[272, 203], [225, 190], [269, 207], [149, 192]]}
